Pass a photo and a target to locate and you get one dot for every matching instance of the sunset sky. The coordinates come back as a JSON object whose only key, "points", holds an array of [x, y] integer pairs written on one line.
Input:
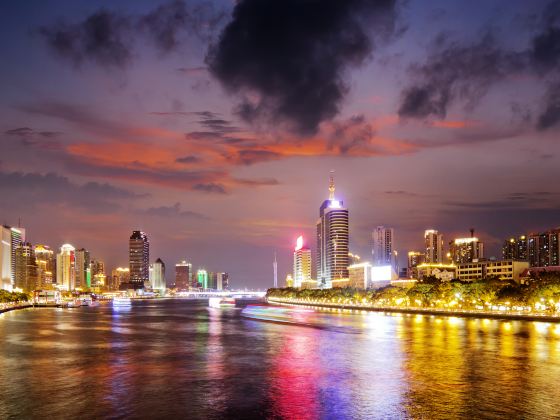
{"points": [[213, 126]]}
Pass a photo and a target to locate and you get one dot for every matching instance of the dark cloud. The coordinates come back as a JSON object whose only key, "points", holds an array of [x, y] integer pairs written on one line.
{"points": [[107, 37], [455, 72], [550, 115], [210, 188], [288, 58], [249, 157], [101, 38], [29, 189], [188, 159], [173, 211], [29, 137], [168, 22], [464, 73]]}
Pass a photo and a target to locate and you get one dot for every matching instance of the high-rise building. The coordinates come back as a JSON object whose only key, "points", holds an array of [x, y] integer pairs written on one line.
{"points": [[46, 266], [543, 248], [183, 273], [26, 267], [157, 276], [120, 275], [66, 268], [415, 258], [139, 259], [383, 246], [17, 237], [433, 241], [212, 280], [223, 281], [466, 250], [97, 267], [302, 264], [5, 258], [202, 278], [515, 249], [83, 269], [332, 241], [10, 238]]}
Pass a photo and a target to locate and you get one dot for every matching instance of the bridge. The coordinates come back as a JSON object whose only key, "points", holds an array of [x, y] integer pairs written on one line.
{"points": [[236, 294]]}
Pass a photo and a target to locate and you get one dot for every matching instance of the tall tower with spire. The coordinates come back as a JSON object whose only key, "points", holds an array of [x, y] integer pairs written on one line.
{"points": [[332, 241]]}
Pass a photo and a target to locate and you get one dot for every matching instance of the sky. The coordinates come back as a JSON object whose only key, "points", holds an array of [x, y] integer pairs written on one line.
{"points": [[212, 126]]}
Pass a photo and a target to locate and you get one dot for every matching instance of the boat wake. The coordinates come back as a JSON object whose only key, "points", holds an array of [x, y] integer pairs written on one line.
{"points": [[294, 316]]}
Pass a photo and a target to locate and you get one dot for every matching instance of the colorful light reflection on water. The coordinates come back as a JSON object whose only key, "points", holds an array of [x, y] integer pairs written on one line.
{"points": [[181, 359]]}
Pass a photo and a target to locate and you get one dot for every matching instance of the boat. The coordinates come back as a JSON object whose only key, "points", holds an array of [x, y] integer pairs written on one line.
{"points": [[121, 301], [221, 302]]}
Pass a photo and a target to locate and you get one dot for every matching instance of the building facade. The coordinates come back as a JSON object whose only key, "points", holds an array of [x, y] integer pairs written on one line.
{"points": [[302, 264], [157, 276], [139, 259], [183, 274], [223, 281], [332, 242], [66, 268], [433, 242], [202, 278], [502, 269], [5, 258], [26, 268], [120, 275], [443, 272], [465, 250], [383, 250], [543, 249], [83, 269], [46, 266], [359, 275], [515, 249]]}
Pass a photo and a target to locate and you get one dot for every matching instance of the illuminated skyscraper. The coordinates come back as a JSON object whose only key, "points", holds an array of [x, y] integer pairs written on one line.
{"points": [[433, 241], [223, 281], [202, 278], [383, 246], [515, 249], [332, 241], [183, 274], [17, 237], [302, 264], [46, 266], [415, 258], [139, 259], [10, 238], [5, 258], [26, 267], [465, 250], [66, 268], [83, 269], [543, 248], [157, 276]]}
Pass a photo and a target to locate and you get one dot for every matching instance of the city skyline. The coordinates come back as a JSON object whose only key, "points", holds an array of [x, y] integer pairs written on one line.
{"points": [[147, 133]]}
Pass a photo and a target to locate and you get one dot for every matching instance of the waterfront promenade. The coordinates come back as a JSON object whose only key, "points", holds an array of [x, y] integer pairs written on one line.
{"points": [[467, 313], [6, 307]]}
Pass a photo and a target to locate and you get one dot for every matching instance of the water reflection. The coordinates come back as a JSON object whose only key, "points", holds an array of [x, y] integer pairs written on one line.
{"points": [[182, 359]]}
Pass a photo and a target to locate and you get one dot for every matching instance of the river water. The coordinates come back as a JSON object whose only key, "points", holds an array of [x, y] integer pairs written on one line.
{"points": [[181, 359]]}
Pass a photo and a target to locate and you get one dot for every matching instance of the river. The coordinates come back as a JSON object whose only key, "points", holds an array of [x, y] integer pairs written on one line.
{"points": [[181, 359]]}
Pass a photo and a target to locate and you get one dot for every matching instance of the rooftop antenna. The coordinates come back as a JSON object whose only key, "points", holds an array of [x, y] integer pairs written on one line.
{"points": [[275, 267], [472, 232], [331, 185]]}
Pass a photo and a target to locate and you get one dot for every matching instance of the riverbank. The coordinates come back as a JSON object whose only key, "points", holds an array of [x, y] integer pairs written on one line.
{"points": [[13, 308], [424, 311]]}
